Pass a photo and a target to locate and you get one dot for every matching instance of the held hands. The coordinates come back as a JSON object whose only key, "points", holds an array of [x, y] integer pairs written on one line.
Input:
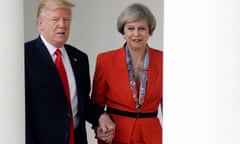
{"points": [[106, 130]]}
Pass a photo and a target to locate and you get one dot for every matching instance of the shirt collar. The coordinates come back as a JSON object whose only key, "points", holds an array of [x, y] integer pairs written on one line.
{"points": [[51, 49]]}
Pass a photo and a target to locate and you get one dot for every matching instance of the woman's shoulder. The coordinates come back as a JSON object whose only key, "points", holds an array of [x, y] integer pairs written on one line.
{"points": [[111, 53], [155, 52]]}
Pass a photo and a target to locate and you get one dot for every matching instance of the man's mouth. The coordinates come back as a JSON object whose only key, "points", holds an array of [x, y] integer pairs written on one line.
{"points": [[61, 33]]}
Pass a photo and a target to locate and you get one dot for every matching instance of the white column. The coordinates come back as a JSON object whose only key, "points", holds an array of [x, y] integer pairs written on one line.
{"points": [[12, 113], [201, 72]]}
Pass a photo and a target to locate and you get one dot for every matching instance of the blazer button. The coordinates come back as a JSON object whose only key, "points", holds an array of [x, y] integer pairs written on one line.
{"points": [[69, 115], [66, 134]]}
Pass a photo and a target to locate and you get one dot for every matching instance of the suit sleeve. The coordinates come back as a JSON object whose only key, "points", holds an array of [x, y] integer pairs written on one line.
{"points": [[99, 83], [93, 111]]}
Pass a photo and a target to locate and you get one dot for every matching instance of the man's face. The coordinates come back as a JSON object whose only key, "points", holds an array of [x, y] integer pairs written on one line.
{"points": [[54, 25]]}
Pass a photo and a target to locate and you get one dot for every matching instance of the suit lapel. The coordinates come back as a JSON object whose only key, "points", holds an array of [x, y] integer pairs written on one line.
{"points": [[80, 67], [42, 72], [47, 63], [75, 62]]}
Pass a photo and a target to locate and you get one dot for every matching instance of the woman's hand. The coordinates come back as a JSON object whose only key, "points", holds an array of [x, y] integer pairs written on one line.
{"points": [[106, 129], [105, 136]]}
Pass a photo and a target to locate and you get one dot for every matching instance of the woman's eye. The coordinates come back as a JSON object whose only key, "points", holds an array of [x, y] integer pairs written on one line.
{"points": [[131, 28], [142, 28]]}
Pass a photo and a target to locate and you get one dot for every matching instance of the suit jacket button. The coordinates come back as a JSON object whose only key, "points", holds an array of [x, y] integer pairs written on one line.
{"points": [[69, 115], [66, 136]]}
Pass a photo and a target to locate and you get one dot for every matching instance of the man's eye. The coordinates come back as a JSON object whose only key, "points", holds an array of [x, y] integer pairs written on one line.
{"points": [[67, 19], [54, 20]]}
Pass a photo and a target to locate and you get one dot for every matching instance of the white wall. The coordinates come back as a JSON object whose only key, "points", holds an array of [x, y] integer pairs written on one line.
{"points": [[12, 116], [94, 27], [202, 72]]}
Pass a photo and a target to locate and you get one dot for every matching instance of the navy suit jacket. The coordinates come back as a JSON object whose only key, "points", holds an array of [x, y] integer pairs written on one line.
{"points": [[48, 113]]}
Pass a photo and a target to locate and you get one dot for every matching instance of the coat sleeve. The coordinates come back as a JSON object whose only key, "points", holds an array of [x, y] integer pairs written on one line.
{"points": [[99, 83]]}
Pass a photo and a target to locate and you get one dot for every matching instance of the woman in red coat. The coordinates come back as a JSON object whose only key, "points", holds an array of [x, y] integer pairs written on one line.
{"points": [[128, 80]]}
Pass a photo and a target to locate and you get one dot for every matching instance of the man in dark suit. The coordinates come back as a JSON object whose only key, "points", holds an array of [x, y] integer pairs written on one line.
{"points": [[51, 116]]}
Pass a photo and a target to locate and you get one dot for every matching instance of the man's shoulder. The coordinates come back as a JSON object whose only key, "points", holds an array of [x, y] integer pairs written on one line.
{"points": [[31, 45], [72, 50], [31, 42]]}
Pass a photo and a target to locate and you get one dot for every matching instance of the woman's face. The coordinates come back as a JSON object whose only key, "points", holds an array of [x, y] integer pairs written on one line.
{"points": [[136, 34]]}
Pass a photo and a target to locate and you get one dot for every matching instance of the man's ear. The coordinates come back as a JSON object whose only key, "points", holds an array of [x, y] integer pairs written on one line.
{"points": [[40, 25]]}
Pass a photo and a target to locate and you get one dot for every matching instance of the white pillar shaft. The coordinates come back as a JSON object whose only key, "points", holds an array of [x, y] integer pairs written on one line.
{"points": [[201, 72], [12, 127]]}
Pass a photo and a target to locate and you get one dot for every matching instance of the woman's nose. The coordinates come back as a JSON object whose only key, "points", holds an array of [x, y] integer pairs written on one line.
{"points": [[136, 32]]}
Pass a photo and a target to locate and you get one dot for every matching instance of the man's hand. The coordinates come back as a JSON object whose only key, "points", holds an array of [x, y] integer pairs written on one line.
{"points": [[106, 129]]}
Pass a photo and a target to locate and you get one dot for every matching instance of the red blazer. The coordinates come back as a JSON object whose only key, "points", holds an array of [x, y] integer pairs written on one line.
{"points": [[111, 88]]}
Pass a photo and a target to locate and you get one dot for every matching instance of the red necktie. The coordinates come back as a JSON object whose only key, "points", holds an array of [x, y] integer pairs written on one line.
{"points": [[63, 76]]}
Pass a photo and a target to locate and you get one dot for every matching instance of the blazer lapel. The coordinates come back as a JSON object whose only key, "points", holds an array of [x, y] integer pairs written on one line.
{"points": [[151, 83], [124, 78], [152, 75]]}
